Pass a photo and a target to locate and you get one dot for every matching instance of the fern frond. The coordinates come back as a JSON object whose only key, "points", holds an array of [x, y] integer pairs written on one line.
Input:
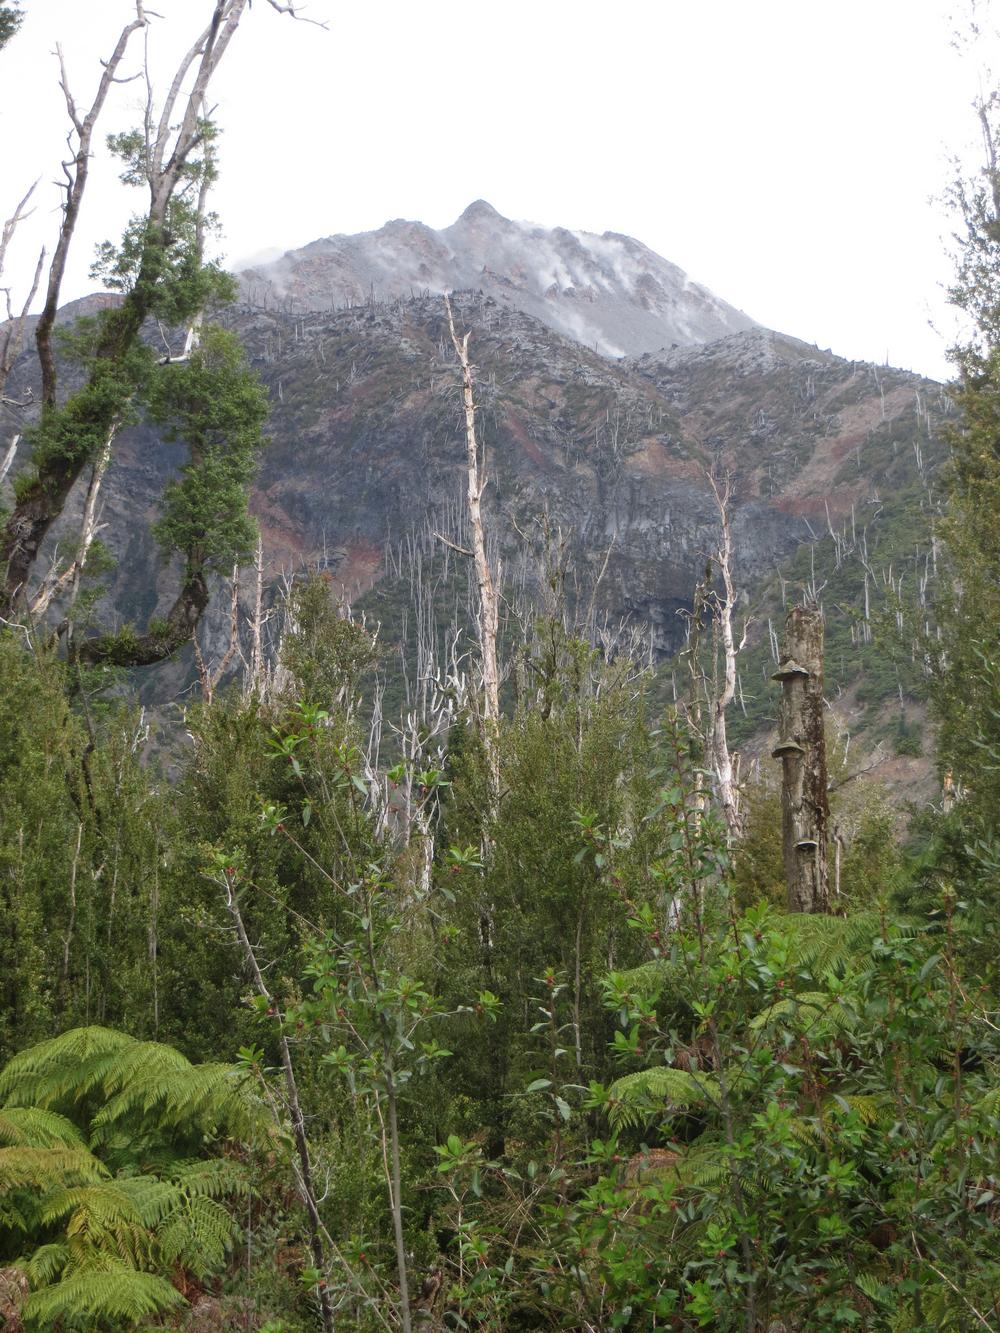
{"points": [[32, 1127], [151, 1198], [103, 1226], [118, 1296], [877, 1291], [47, 1168], [662, 1089], [46, 1263], [107, 1203], [870, 1109], [819, 945], [208, 1097], [816, 1012], [198, 1235], [60, 1069], [823, 944], [212, 1178], [988, 1104]]}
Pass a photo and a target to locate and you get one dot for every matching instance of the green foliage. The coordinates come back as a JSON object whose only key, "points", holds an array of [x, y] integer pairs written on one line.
{"points": [[78, 856], [326, 652], [119, 1293], [217, 406], [10, 21], [111, 1193]]}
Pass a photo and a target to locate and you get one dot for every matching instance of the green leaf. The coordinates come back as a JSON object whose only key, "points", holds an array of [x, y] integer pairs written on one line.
{"points": [[539, 1085]]}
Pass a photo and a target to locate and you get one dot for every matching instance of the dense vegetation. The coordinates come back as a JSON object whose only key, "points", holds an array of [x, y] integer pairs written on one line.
{"points": [[342, 1015], [562, 1063]]}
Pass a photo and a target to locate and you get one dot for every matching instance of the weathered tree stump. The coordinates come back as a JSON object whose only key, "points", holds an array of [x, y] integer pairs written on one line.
{"points": [[805, 807]]}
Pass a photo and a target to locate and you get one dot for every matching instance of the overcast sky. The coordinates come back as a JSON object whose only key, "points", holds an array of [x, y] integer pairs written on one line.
{"points": [[784, 152]]}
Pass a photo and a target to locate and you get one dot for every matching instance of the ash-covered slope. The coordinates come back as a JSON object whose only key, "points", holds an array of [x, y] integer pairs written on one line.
{"points": [[609, 292]]}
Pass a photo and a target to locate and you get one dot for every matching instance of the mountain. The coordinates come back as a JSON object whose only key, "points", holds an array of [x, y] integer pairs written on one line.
{"points": [[832, 461], [608, 292]]}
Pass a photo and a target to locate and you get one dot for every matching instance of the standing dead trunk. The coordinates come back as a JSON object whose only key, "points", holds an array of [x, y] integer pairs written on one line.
{"points": [[802, 750], [724, 764], [488, 603]]}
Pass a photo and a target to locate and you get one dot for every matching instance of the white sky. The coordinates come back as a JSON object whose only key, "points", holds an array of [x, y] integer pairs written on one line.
{"points": [[783, 152]]}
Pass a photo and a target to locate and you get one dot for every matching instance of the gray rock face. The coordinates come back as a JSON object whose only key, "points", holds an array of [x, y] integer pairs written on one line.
{"points": [[607, 292]]}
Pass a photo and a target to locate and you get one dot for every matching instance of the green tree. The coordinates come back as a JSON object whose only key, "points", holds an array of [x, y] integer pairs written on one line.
{"points": [[966, 682], [204, 394], [10, 21]]}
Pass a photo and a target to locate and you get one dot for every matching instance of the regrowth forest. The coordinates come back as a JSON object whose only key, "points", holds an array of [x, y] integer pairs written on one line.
{"points": [[490, 992]]}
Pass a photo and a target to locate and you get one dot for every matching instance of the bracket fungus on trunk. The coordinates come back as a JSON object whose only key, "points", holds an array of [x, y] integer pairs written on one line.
{"points": [[802, 751]]}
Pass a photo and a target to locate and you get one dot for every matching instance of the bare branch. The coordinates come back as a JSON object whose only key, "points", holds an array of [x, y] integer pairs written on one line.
{"points": [[76, 183], [8, 458], [12, 223], [13, 335], [462, 550], [295, 13]]}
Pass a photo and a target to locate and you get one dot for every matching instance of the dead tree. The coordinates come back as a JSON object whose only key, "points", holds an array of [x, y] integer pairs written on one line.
{"points": [[12, 334], [488, 615], [805, 807], [724, 763]]}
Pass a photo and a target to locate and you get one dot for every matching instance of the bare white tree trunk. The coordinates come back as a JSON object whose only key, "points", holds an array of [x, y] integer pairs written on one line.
{"points": [[8, 458], [255, 680], [724, 769], [488, 603]]}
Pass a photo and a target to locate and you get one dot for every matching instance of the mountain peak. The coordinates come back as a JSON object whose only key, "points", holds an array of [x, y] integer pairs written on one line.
{"points": [[609, 292], [480, 210]]}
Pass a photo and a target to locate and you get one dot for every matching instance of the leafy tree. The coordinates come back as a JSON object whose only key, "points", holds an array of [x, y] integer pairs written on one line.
{"points": [[571, 854], [83, 835], [10, 21], [204, 395]]}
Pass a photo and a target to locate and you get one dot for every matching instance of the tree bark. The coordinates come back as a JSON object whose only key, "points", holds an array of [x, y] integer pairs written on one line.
{"points": [[173, 632], [802, 750]]}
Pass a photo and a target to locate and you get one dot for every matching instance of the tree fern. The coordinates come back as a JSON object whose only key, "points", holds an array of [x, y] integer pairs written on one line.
{"points": [[32, 1127], [150, 1205], [212, 1177], [116, 1295], [813, 1012], [198, 1234], [210, 1097], [818, 945], [635, 1097], [137, 1081], [60, 1070], [46, 1263], [46, 1168]]}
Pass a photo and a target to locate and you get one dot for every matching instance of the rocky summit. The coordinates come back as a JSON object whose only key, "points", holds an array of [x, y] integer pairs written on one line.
{"points": [[607, 292]]}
